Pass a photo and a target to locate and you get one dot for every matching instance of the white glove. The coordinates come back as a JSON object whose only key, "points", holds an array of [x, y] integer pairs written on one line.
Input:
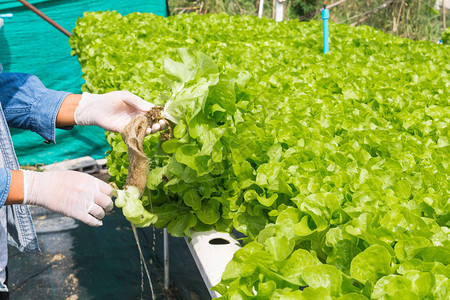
{"points": [[112, 111], [74, 194]]}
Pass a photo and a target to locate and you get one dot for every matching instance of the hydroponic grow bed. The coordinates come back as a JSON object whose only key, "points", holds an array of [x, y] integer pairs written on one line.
{"points": [[335, 167]]}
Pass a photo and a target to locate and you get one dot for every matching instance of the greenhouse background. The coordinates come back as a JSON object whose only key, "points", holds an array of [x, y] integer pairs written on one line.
{"points": [[316, 168]]}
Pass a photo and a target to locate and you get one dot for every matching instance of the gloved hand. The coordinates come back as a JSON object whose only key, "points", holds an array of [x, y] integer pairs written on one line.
{"points": [[112, 111], [74, 194]]}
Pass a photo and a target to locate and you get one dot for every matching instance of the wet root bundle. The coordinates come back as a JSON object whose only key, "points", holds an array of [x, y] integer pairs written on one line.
{"points": [[133, 135]]}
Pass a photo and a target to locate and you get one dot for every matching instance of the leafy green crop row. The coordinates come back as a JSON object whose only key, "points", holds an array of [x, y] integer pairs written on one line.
{"points": [[335, 167], [446, 36]]}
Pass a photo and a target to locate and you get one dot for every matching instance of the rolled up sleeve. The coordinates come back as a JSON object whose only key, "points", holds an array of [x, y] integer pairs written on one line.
{"points": [[28, 104], [5, 184]]}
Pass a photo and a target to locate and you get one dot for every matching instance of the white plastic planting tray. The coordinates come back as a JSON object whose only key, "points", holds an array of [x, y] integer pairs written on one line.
{"points": [[212, 251]]}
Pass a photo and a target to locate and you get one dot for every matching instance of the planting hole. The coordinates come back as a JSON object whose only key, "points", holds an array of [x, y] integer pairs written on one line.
{"points": [[219, 241]]}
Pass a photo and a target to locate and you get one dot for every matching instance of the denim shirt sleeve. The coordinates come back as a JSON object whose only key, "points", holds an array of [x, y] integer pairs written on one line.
{"points": [[28, 104], [5, 182]]}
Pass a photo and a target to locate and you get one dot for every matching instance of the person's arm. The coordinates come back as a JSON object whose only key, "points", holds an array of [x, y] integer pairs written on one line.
{"points": [[11, 187], [65, 116], [28, 104], [15, 194]]}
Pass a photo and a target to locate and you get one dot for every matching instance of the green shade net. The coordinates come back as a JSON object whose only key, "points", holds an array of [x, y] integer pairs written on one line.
{"points": [[28, 44]]}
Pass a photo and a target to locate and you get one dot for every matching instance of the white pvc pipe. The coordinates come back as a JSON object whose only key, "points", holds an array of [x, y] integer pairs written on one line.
{"points": [[279, 11], [212, 251], [261, 7]]}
